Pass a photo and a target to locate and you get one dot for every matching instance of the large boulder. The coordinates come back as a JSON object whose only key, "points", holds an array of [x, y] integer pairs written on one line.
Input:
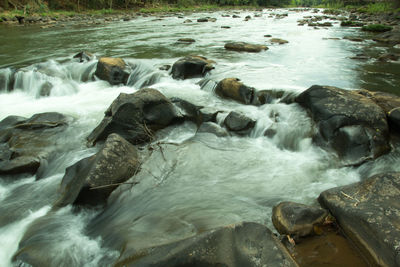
{"points": [[232, 88], [245, 47], [369, 213], [191, 67], [136, 116], [297, 219], [385, 100], [352, 124], [113, 70], [238, 123], [26, 143], [91, 180], [243, 244]]}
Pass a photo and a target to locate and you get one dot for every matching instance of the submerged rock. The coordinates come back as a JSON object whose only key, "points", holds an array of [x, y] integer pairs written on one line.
{"points": [[278, 41], [213, 128], [26, 143], [113, 70], [352, 124], [135, 116], [83, 56], [232, 88], [186, 40], [369, 214], [91, 180], [296, 219], [239, 123], [191, 67], [245, 47], [244, 244]]}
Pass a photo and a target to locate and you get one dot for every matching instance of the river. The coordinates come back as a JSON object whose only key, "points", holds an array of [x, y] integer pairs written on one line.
{"points": [[202, 181]]}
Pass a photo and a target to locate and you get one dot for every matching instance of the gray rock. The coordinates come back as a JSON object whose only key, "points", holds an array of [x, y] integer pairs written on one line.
{"points": [[213, 128], [352, 124], [244, 244], [91, 180], [209, 114], [239, 123], [296, 219], [369, 213], [136, 116], [394, 118], [191, 67]]}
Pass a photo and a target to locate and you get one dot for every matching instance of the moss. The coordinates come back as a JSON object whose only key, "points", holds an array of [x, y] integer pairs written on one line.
{"points": [[377, 28], [350, 23]]}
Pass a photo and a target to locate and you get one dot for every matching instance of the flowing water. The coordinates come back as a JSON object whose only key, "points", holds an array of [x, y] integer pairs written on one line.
{"points": [[200, 181]]}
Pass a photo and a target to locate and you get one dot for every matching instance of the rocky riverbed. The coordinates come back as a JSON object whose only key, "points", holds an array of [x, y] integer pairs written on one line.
{"points": [[184, 162]]}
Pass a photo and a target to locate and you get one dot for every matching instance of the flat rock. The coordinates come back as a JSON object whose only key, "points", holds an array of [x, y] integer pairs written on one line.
{"points": [[352, 124], [213, 128], [369, 213], [243, 244], [290, 218], [278, 41], [245, 47]]}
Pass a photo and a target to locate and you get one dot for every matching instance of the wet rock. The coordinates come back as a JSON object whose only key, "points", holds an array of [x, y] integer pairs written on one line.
{"points": [[188, 21], [278, 41], [113, 70], [225, 27], [191, 67], [390, 37], [83, 56], [213, 128], [394, 118], [232, 88], [386, 101], [353, 39], [352, 124], [209, 114], [21, 19], [266, 96], [27, 143], [243, 244], [186, 40], [165, 67], [91, 180], [268, 35], [245, 47], [360, 57], [187, 110], [45, 89], [389, 57], [239, 123], [369, 213], [202, 20], [135, 117], [235, 16], [212, 19], [290, 218]]}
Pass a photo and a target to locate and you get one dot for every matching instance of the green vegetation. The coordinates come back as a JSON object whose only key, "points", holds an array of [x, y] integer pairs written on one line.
{"points": [[376, 28]]}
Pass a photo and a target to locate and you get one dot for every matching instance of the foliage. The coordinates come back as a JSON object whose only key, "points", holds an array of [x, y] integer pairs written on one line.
{"points": [[377, 28]]}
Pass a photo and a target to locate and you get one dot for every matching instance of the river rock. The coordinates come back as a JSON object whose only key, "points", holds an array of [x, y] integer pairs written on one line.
{"points": [[278, 41], [245, 47], [290, 218], [202, 20], [369, 213], [135, 116], [389, 57], [186, 40], [239, 123], [243, 244], [266, 96], [83, 56], [191, 67], [187, 110], [232, 88], [385, 100], [91, 180], [391, 37], [113, 70], [394, 118], [209, 114], [352, 124], [26, 143], [213, 128]]}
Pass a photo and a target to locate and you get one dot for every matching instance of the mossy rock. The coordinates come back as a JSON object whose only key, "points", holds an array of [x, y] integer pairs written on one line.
{"points": [[350, 23], [377, 28]]}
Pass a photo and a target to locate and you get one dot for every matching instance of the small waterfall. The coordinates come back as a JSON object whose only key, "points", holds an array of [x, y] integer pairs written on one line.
{"points": [[6, 79], [142, 74]]}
